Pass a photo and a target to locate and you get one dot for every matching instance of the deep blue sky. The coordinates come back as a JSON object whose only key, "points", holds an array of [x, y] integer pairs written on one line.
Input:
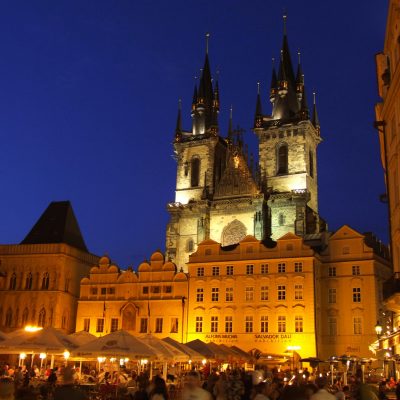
{"points": [[88, 100]]}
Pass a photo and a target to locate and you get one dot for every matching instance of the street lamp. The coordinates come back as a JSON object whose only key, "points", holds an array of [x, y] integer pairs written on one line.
{"points": [[378, 329]]}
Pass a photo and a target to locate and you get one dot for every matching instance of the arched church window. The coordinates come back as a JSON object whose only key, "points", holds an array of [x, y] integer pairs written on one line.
{"points": [[282, 159], [9, 316], [13, 281], [25, 316], [28, 281], [195, 172], [16, 318], [282, 219], [45, 281], [190, 245], [42, 318], [64, 320], [311, 162]]}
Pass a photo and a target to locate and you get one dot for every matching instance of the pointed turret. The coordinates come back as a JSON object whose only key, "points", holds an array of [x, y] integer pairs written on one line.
{"points": [[194, 101], [178, 129], [315, 118], [304, 111], [229, 139], [299, 79], [274, 83], [258, 117]]}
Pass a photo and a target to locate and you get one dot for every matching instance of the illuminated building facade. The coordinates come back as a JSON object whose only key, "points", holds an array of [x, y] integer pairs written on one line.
{"points": [[221, 194], [39, 278], [151, 300]]}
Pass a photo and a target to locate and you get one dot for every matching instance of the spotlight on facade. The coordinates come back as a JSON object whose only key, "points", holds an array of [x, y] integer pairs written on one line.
{"points": [[31, 328], [378, 329]]}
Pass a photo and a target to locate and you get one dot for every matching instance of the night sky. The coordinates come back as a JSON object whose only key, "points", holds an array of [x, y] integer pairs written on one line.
{"points": [[89, 93]]}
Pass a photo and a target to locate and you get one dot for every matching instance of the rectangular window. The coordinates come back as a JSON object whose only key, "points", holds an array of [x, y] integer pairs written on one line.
{"points": [[249, 324], [332, 271], [114, 324], [357, 325], [199, 295], [111, 290], [281, 292], [298, 267], [156, 289], [159, 325], [100, 325], [332, 326], [229, 270], [103, 290], [264, 324], [143, 325], [215, 271], [199, 324], [332, 296], [298, 324], [281, 268], [174, 325], [249, 294], [249, 269], [298, 292], [214, 324], [200, 271], [228, 324], [264, 269], [145, 290], [281, 323], [167, 289], [214, 294], [86, 324], [229, 294], [264, 293], [93, 290], [357, 295], [355, 270]]}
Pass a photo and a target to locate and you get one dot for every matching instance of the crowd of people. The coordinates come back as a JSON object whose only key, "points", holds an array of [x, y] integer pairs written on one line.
{"points": [[67, 383]]}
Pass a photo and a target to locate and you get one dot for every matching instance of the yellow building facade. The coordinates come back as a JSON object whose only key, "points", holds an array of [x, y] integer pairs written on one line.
{"points": [[151, 300]]}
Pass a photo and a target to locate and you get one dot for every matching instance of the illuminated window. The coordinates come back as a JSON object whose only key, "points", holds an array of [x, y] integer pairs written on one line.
{"points": [[228, 324], [100, 325], [298, 267], [355, 270], [229, 270], [199, 324], [28, 282], [249, 269], [86, 324], [45, 281], [190, 245], [298, 292], [214, 294], [249, 293], [103, 291], [281, 292], [143, 325], [357, 325], [13, 281], [282, 159], [229, 294], [264, 269], [332, 326], [298, 324], [114, 324], [332, 296], [174, 325], [249, 324], [214, 324], [42, 318], [145, 290], [25, 316], [195, 172], [215, 271], [200, 271], [282, 219], [8, 322], [199, 295], [281, 323], [332, 271], [311, 163], [264, 324], [264, 293], [159, 325], [281, 268], [357, 295]]}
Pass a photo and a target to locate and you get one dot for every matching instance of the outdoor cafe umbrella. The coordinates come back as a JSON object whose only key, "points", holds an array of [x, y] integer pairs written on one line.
{"points": [[82, 337], [201, 348], [193, 355], [164, 351], [115, 344]]}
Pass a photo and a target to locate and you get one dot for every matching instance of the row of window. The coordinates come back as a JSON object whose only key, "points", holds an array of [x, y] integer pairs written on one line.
{"points": [[357, 326], [249, 325], [355, 270], [144, 325], [249, 293], [145, 290], [356, 295], [250, 269], [29, 282]]}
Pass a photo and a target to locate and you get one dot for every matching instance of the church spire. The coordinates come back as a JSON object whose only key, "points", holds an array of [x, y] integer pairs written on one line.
{"points": [[230, 126], [299, 78], [258, 115], [194, 100], [315, 118], [274, 83]]}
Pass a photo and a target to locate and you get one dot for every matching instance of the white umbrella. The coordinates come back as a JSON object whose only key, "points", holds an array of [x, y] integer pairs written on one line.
{"points": [[115, 344], [164, 351], [81, 338]]}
